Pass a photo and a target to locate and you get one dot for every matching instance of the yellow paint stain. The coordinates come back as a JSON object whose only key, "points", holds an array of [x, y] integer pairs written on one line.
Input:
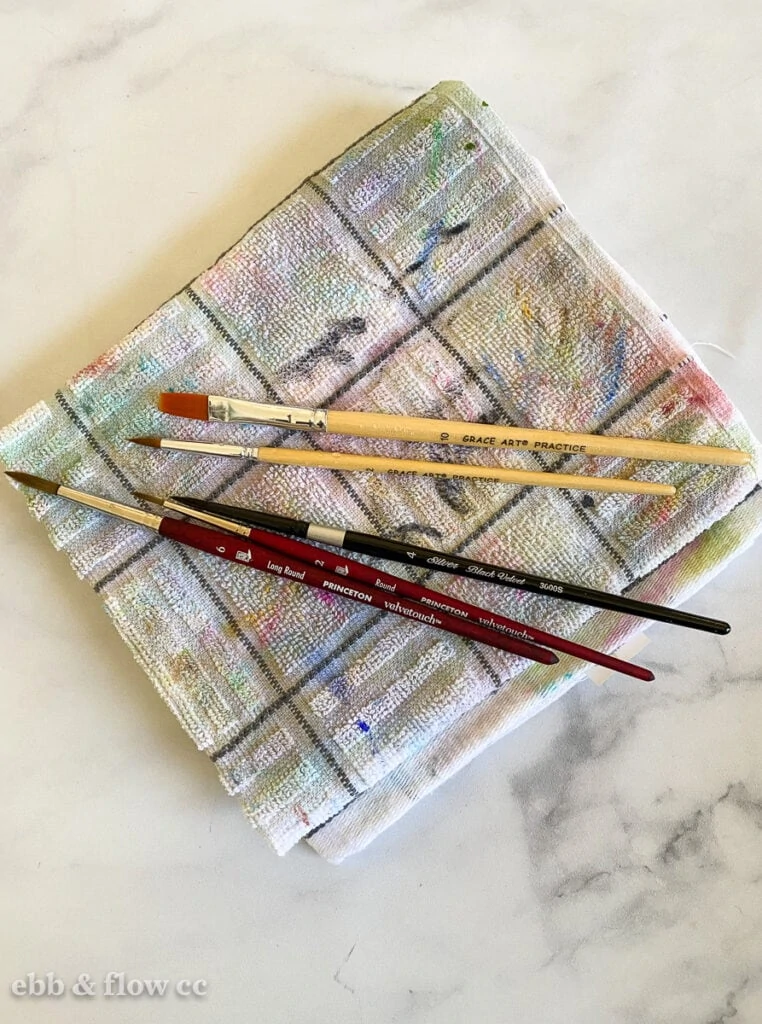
{"points": [[250, 619], [184, 665]]}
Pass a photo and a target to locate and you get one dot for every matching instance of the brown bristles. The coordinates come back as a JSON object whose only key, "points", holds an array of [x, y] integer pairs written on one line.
{"points": [[149, 442], [38, 482], [150, 498], [177, 403]]}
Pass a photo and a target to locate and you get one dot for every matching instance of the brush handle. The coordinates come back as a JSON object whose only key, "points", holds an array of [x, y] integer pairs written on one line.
{"points": [[214, 514], [383, 464], [349, 568], [480, 435], [243, 552], [457, 565]]}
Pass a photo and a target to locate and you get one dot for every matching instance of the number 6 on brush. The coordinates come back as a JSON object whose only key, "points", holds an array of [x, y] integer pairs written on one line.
{"points": [[351, 569], [222, 545]]}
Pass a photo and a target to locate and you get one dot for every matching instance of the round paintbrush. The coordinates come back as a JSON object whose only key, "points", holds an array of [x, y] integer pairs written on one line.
{"points": [[384, 464]]}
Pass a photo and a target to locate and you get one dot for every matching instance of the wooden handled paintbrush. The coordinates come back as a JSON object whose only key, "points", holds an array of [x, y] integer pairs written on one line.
{"points": [[416, 428], [383, 464]]}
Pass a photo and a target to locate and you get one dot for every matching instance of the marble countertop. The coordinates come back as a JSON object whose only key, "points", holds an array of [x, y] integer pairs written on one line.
{"points": [[604, 863]]}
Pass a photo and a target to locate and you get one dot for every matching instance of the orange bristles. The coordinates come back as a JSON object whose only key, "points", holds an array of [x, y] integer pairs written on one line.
{"points": [[177, 403], [149, 442]]}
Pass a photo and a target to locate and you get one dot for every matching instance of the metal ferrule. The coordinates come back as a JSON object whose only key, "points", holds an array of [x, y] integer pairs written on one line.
{"points": [[234, 451], [207, 517], [291, 417], [326, 535], [113, 508]]}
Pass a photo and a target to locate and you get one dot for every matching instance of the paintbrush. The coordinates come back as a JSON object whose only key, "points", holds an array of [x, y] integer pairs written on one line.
{"points": [[416, 428], [352, 569], [244, 553], [383, 464], [440, 561]]}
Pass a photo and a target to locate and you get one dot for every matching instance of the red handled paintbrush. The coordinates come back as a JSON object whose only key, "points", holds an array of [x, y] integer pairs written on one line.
{"points": [[243, 552], [352, 569]]}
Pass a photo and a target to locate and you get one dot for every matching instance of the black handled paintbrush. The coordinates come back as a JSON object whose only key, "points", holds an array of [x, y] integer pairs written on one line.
{"points": [[414, 554]]}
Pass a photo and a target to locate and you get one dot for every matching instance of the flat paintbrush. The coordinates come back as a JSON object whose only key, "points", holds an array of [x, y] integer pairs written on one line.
{"points": [[351, 569], [441, 561], [244, 553], [382, 464], [416, 428]]}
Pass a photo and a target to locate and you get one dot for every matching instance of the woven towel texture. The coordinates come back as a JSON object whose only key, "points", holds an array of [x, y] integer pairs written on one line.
{"points": [[430, 270]]}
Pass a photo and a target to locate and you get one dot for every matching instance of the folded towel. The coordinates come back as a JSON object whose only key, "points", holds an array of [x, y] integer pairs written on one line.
{"points": [[430, 270]]}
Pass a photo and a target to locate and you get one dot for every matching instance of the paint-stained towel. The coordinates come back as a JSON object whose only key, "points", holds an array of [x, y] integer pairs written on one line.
{"points": [[430, 270]]}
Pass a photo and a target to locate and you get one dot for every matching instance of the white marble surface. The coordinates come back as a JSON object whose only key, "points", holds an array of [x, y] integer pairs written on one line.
{"points": [[604, 864]]}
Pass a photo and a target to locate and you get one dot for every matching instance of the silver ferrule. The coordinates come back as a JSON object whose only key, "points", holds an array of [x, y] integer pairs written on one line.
{"points": [[233, 451], [326, 535], [207, 517], [113, 508], [291, 417]]}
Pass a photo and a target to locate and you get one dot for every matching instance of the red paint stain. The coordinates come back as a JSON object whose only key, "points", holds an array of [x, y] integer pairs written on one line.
{"points": [[669, 406]]}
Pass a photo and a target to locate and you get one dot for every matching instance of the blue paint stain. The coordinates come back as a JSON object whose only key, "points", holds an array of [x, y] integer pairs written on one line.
{"points": [[339, 688], [435, 235], [492, 370], [614, 376], [365, 728], [431, 238], [520, 356], [148, 365]]}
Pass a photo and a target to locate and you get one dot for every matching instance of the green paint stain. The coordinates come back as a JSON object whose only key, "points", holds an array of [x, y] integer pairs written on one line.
{"points": [[717, 543], [469, 146], [484, 103], [239, 683]]}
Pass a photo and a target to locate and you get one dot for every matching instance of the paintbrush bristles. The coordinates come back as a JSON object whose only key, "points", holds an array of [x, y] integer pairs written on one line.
{"points": [[149, 442], [38, 482], [178, 403], [439, 431], [150, 498]]}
